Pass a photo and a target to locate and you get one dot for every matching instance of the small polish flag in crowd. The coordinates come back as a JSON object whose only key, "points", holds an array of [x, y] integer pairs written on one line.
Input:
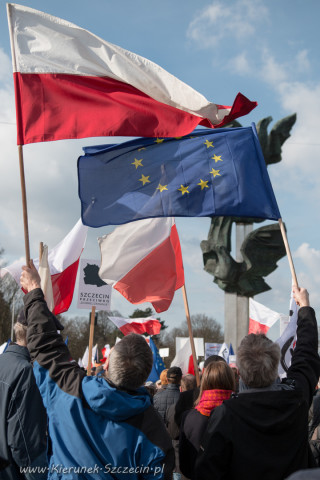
{"points": [[149, 325]]}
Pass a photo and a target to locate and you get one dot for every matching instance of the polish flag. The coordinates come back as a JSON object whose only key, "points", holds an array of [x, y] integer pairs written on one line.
{"points": [[75, 75], [261, 318], [143, 261], [149, 325], [63, 262]]}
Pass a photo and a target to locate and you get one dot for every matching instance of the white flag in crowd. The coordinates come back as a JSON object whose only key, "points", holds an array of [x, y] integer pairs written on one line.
{"points": [[261, 318], [224, 352], [287, 340]]}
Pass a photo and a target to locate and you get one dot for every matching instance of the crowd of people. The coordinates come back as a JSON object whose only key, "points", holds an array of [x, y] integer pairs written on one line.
{"points": [[239, 423]]}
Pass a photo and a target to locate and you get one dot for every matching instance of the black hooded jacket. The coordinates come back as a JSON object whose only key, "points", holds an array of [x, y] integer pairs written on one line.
{"points": [[264, 434]]}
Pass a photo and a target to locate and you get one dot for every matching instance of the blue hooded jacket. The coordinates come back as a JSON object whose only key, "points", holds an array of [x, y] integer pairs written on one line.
{"points": [[97, 430]]}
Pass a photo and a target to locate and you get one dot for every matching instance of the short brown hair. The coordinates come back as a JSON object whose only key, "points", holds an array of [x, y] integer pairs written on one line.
{"points": [[217, 375], [130, 362], [20, 332]]}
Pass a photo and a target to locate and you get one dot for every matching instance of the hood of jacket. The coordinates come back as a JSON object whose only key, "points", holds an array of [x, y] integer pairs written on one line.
{"points": [[112, 403], [269, 412]]}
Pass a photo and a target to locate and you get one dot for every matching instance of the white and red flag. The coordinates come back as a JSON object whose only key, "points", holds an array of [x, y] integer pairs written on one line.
{"points": [[261, 318], [63, 262], [75, 76], [148, 325], [143, 261]]}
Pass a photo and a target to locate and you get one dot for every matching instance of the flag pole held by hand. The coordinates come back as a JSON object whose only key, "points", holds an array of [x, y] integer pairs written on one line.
{"points": [[286, 244]]}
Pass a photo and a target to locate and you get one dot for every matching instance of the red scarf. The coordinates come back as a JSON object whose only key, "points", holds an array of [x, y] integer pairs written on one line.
{"points": [[211, 399]]}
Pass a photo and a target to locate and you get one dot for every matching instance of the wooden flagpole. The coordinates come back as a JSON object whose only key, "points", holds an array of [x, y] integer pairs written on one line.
{"points": [[93, 312], [24, 205], [286, 244], [40, 252], [194, 356]]}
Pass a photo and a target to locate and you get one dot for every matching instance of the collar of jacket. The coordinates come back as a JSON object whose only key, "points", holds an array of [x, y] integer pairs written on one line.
{"points": [[18, 350], [173, 386]]}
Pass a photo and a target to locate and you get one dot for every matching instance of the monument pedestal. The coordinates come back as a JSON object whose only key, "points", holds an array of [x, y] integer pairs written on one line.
{"points": [[236, 310]]}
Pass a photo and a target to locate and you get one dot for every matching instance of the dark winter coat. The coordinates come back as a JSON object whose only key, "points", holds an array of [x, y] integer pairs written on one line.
{"points": [[264, 434], [23, 421], [192, 428], [166, 397]]}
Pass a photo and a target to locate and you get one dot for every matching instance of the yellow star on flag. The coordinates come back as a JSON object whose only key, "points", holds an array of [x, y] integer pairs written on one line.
{"points": [[183, 189], [203, 184], [137, 162], [159, 140], [215, 172], [142, 148], [217, 158], [161, 187], [144, 179], [208, 144]]}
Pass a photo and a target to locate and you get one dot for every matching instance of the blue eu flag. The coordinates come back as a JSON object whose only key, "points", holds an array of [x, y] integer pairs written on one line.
{"points": [[208, 173], [158, 364]]}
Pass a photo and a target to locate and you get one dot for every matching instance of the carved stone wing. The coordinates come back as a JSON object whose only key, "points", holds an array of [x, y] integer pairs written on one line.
{"points": [[261, 250]]}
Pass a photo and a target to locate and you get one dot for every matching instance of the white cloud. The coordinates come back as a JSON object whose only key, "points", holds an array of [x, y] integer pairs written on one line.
{"points": [[309, 277], [240, 64], [219, 21], [271, 71], [302, 61]]}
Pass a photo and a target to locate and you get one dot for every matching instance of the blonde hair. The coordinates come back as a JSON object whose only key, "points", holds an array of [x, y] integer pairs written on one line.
{"points": [[217, 375]]}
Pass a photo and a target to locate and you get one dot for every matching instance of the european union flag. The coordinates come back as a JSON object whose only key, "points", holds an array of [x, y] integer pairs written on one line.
{"points": [[208, 173], [158, 364]]}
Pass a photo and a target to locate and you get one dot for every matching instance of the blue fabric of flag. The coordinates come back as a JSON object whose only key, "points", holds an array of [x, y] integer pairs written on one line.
{"points": [[208, 173], [8, 343], [158, 364]]}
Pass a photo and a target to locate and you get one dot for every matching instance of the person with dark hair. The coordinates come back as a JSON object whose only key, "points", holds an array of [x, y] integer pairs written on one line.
{"points": [[23, 419], [101, 426], [166, 397], [217, 385], [263, 431]]}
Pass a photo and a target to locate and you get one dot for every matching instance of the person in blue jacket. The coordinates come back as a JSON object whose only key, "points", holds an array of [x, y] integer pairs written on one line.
{"points": [[103, 426]]}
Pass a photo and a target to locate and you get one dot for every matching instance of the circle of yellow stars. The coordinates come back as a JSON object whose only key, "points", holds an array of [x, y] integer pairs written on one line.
{"points": [[203, 184]]}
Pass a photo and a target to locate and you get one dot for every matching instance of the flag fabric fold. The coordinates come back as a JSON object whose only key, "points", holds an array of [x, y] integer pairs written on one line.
{"points": [[82, 76], [143, 261], [149, 325], [261, 318], [182, 357], [63, 262], [209, 173]]}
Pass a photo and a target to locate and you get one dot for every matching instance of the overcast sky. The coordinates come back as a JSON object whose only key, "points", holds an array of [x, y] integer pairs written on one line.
{"points": [[267, 50]]}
